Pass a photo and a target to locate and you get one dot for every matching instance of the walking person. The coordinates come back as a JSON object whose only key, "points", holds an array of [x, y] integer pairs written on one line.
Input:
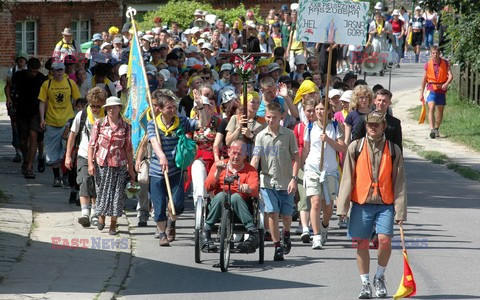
{"points": [[417, 29], [431, 19], [110, 160], [277, 152], [56, 96], [78, 141], [398, 34], [322, 189], [377, 198], [437, 78]]}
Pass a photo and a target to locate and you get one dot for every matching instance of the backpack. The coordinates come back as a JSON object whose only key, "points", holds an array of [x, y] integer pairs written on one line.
{"points": [[83, 119], [186, 150], [359, 147]]}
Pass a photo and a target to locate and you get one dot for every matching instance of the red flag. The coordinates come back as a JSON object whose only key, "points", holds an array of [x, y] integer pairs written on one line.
{"points": [[407, 287]]}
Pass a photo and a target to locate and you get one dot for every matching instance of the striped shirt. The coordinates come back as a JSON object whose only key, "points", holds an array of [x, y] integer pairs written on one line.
{"points": [[169, 145]]}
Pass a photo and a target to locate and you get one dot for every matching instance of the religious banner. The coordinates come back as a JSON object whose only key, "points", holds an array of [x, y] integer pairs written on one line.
{"points": [[333, 21]]}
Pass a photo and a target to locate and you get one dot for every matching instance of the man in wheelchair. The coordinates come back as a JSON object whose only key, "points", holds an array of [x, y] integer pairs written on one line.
{"points": [[244, 187]]}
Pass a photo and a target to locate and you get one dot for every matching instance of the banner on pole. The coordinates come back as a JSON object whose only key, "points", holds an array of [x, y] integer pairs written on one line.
{"points": [[333, 21], [136, 111]]}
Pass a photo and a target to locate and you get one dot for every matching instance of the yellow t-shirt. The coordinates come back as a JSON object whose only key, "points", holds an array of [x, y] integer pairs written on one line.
{"points": [[59, 99]]}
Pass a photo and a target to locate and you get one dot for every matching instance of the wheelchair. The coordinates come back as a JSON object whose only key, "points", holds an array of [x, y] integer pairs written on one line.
{"points": [[229, 225]]}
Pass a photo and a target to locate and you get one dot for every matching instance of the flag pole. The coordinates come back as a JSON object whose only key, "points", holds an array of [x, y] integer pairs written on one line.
{"points": [[327, 100], [402, 237], [131, 12]]}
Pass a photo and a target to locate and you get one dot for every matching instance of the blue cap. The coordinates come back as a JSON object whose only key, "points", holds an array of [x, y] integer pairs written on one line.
{"points": [[284, 7], [97, 37]]}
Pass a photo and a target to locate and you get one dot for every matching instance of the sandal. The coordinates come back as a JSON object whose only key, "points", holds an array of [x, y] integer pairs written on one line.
{"points": [[29, 174], [24, 169], [41, 165]]}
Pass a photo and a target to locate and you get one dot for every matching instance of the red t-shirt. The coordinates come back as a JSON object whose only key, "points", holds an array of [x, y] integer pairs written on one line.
{"points": [[396, 26], [299, 132]]}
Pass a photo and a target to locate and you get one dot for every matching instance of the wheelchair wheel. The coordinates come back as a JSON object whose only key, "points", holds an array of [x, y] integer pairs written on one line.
{"points": [[226, 235], [261, 246], [199, 220]]}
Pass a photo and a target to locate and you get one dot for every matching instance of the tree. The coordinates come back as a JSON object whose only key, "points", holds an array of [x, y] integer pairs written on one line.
{"points": [[182, 11]]}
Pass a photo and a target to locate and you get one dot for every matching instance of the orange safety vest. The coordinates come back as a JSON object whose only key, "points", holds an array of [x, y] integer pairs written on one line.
{"points": [[363, 177], [437, 81]]}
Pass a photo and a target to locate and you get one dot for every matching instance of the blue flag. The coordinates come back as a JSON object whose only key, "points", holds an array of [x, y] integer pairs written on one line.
{"points": [[137, 106]]}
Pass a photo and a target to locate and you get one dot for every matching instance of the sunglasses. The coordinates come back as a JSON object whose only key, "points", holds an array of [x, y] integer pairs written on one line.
{"points": [[96, 106], [205, 78]]}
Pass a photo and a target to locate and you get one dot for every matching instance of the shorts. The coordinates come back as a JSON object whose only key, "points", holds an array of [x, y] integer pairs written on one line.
{"points": [[277, 201], [26, 124], [364, 216], [417, 38], [314, 187], [439, 99], [85, 181], [54, 144]]}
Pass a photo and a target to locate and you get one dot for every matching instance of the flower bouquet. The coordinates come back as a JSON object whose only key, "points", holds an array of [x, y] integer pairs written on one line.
{"points": [[244, 66]]}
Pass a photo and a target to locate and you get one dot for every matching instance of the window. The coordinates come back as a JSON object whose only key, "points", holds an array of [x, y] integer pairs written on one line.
{"points": [[81, 31], [26, 37]]}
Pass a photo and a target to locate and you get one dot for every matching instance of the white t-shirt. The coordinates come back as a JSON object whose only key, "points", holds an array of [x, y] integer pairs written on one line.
{"points": [[312, 163], [83, 147]]}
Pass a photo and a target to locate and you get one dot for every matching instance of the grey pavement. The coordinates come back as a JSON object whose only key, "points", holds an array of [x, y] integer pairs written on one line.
{"points": [[442, 239]]}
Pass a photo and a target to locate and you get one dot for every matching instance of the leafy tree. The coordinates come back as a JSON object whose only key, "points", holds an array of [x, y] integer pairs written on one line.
{"points": [[182, 11]]}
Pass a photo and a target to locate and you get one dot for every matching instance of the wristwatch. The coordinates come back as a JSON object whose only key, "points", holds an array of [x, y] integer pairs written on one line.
{"points": [[295, 177]]}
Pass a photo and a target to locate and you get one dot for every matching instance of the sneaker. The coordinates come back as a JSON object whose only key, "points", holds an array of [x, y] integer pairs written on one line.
{"points": [[343, 223], [65, 183], [84, 221], [268, 236], [57, 182], [278, 256], [286, 244], [305, 237], [73, 197], [94, 220], [382, 73], [323, 235], [250, 244], [163, 242], [432, 134], [437, 133], [156, 234], [397, 66], [366, 292], [142, 222], [380, 286], [171, 233], [317, 242]]}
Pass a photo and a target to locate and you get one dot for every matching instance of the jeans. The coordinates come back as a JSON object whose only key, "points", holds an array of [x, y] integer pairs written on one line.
{"points": [[159, 195], [429, 38]]}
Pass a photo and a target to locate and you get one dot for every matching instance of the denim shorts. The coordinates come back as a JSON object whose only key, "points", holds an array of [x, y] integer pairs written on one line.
{"points": [[439, 99], [363, 217], [277, 201]]}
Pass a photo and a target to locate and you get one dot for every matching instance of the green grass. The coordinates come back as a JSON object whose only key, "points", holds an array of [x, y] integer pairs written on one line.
{"points": [[2, 93], [3, 198], [439, 158], [461, 122]]}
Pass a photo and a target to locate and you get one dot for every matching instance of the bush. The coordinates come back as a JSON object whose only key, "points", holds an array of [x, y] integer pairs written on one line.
{"points": [[182, 11]]}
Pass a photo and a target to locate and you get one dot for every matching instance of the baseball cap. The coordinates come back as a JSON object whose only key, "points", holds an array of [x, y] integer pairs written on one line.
{"points": [[334, 92], [58, 66], [346, 96], [272, 67], [97, 37], [375, 117]]}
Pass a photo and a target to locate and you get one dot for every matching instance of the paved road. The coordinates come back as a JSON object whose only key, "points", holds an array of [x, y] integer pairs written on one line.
{"points": [[443, 210]]}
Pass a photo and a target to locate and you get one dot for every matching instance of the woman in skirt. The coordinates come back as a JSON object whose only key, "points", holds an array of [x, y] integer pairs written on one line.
{"points": [[110, 160]]}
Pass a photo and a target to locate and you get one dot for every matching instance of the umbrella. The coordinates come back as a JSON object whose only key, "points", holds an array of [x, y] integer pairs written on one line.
{"points": [[407, 287]]}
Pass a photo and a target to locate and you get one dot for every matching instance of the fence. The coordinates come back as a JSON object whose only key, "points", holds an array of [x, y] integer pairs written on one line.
{"points": [[467, 82]]}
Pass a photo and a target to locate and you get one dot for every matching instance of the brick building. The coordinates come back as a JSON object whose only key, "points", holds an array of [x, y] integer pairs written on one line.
{"points": [[35, 25]]}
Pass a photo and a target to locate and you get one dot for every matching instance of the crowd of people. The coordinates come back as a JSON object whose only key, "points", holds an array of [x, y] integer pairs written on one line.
{"points": [[295, 151]]}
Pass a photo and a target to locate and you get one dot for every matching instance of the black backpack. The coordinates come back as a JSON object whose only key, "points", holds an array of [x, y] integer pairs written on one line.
{"points": [[83, 119]]}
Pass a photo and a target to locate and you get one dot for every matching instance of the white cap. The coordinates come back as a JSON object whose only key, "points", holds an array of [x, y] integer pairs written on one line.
{"points": [[207, 46], [334, 92], [396, 12], [122, 70], [200, 41], [195, 29], [105, 45], [165, 73], [187, 31], [378, 5], [346, 96], [418, 8]]}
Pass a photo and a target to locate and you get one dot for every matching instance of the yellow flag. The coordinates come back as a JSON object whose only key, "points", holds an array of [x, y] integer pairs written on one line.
{"points": [[423, 114], [407, 287]]}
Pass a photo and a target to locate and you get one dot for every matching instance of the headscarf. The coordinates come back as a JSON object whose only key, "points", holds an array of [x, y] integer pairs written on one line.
{"points": [[250, 96], [113, 30], [306, 87]]}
